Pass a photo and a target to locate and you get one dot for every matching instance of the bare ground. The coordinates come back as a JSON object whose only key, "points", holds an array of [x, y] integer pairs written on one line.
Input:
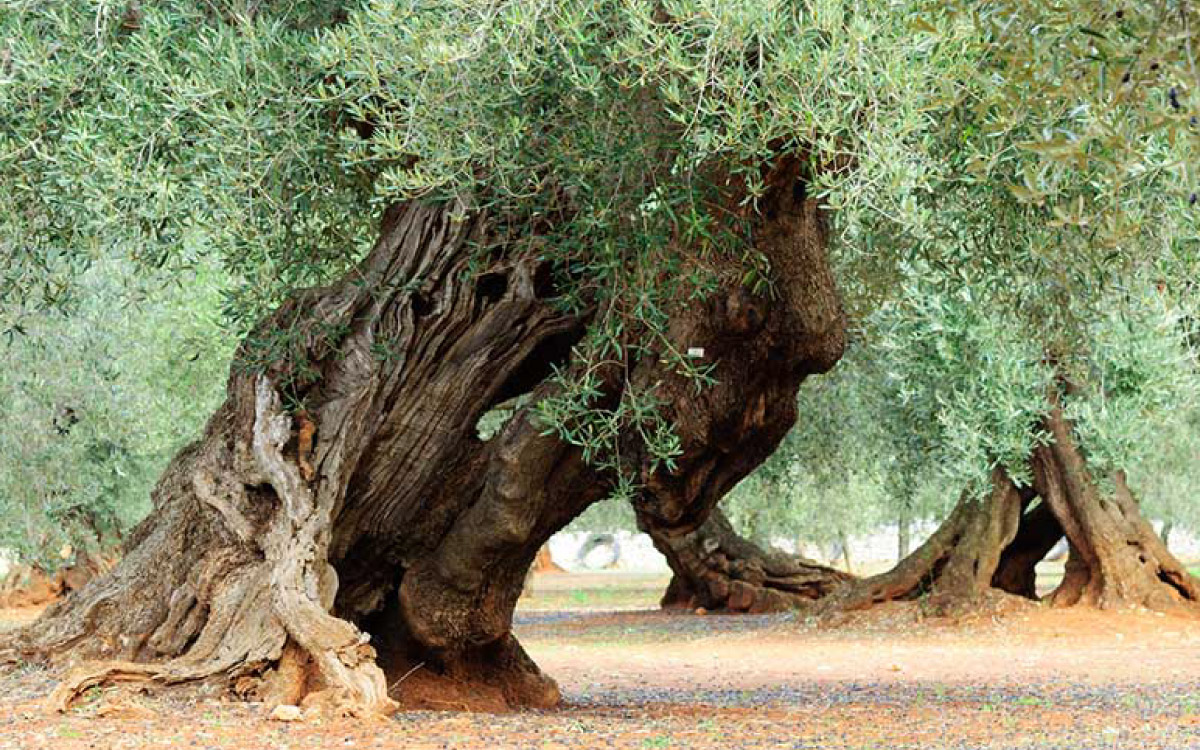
{"points": [[1035, 678]]}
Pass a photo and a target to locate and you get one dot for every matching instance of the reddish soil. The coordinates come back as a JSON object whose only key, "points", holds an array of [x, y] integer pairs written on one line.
{"points": [[1037, 678]]}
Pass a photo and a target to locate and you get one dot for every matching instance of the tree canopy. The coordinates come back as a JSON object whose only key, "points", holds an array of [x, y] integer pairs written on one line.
{"points": [[1012, 184]]}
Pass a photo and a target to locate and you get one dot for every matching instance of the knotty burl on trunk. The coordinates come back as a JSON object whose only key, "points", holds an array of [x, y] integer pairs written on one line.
{"points": [[366, 546]]}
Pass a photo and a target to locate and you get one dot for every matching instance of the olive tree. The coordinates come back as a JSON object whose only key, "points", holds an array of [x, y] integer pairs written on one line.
{"points": [[428, 211]]}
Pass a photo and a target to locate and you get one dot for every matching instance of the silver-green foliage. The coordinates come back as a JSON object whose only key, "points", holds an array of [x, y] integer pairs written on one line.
{"points": [[162, 132], [1004, 171], [93, 405], [828, 478], [597, 135]]}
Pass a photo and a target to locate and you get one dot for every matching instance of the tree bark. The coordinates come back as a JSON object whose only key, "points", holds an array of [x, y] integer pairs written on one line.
{"points": [[990, 547], [762, 349], [953, 569], [1115, 560], [718, 570], [903, 532], [340, 532], [262, 550]]}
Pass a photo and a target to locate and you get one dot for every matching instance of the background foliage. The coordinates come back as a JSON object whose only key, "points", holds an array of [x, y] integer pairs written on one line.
{"points": [[1013, 184], [93, 405]]}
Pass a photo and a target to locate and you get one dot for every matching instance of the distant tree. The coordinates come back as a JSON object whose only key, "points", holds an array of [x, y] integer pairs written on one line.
{"points": [[1039, 439], [92, 406]]}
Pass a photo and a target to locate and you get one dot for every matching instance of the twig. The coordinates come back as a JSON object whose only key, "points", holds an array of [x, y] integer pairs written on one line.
{"points": [[404, 677]]}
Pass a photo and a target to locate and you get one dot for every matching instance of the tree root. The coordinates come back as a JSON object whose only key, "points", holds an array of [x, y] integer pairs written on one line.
{"points": [[716, 569]]}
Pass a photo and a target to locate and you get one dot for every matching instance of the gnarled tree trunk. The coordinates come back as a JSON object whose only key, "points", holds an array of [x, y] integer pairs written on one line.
{"points": [[341, 532], [279, 540], [991, 546], [715, 568], [763, 350], [1115, 559], [955, 566]]}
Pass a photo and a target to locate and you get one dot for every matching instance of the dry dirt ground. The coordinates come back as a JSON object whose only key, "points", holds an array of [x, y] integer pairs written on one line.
{"points": [[644, 679]]}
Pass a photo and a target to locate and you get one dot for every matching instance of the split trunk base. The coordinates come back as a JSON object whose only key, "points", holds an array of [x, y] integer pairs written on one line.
{"points": [[988, 549]]}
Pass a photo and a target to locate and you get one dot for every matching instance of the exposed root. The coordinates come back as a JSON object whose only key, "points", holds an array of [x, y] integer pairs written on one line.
{"points": [[717, 569], [952, 571], [87, 677]]}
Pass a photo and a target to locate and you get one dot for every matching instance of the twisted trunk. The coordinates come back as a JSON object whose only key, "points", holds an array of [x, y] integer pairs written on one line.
{"points": [[954, 568], [280, 536], [341, 534], [1115, 559], [991, 547], [717, 569]]}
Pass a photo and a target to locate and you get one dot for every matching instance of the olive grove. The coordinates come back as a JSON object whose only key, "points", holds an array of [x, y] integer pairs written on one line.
{"points": [[633, 228]]}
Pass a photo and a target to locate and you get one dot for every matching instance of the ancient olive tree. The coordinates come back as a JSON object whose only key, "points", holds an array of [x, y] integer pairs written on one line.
{"points": [[1065, 190], [1036, 331], [1039, 438], [602, 215]]}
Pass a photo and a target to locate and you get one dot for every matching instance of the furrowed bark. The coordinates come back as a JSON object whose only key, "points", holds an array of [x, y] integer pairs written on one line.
{"points": [[1115, 559], [256, 554], [340, 532], [717, 569]]}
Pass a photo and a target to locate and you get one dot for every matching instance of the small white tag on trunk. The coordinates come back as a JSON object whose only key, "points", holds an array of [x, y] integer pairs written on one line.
{"points": [[695, 352]]}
